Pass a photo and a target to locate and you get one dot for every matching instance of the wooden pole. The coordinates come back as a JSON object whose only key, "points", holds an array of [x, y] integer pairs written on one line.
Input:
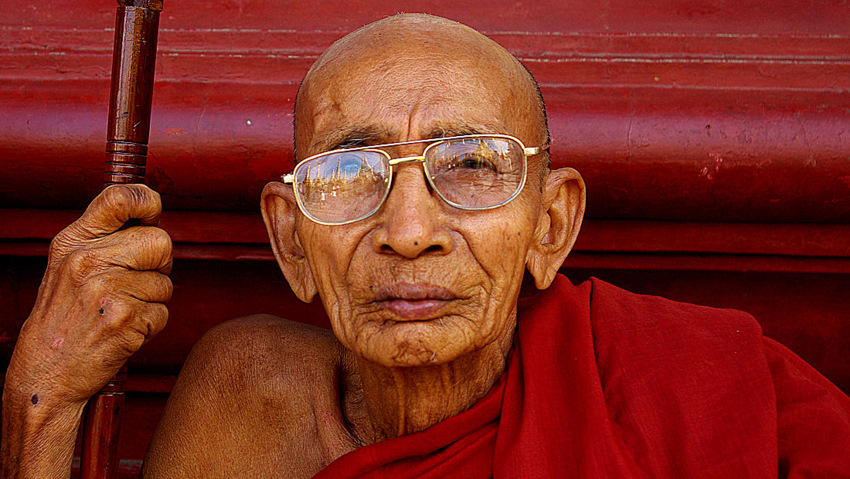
{"points": [[133, 60]]}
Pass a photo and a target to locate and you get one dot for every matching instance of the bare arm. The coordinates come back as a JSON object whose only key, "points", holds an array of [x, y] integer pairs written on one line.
{"points": [[101, 298], [246, 405]]}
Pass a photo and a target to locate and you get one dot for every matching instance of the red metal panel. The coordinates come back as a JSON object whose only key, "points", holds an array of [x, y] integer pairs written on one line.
{"points": [[192, 231], [671, 112], [713, 137], [806, 311]]}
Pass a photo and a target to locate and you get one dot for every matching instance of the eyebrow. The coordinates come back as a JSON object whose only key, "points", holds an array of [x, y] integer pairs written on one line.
{"points": [[456, 128], [377, 135], [349, 138]]}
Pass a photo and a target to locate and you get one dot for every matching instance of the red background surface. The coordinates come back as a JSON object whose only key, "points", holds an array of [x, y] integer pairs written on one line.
{"points": [[714, 137]]}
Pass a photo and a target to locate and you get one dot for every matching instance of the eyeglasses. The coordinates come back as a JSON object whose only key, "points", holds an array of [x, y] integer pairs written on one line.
{"points": [[470, 172]]}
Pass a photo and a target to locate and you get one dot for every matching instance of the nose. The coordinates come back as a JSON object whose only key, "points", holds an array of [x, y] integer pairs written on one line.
{"points": [[412, 221]]}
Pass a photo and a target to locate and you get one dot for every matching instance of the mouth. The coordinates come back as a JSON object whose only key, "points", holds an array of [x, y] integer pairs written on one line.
{"points": [[413, 301]]}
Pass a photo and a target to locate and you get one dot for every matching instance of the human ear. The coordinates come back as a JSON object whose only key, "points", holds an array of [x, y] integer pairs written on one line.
{"points": [[558, 224], [279, 210]]}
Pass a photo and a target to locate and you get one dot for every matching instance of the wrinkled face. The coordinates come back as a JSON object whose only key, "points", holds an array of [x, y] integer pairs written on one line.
{"points": [[420, 282]]}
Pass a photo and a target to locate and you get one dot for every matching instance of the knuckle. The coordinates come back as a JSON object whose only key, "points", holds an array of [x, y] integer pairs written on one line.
{"points": [[160, 239], [65, 241], [157, 319], [58, 247], [136, 194], [144, 195], [81, 262], [133, 341], [128, 198], [149, 319], [168, 287], [118, 312], [154, 196], [114, 198], [56, 243], [117, 194], [99, 288]]}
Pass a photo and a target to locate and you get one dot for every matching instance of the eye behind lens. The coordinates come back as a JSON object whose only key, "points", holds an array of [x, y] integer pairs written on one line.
{"points": [[474, 173], [477, 173]]}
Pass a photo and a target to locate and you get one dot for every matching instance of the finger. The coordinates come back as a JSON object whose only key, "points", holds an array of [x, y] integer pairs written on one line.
{"points": [[147, 321], [113, 207], [147, 286], [140, 248], [111, 302], [134, 322], [152, 318]]}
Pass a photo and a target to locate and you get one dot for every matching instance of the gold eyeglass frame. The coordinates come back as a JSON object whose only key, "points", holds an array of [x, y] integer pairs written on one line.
{"points": [[527, 151]]}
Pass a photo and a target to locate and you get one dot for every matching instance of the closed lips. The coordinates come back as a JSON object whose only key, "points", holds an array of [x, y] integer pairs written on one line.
{"points": [[414, 301]]}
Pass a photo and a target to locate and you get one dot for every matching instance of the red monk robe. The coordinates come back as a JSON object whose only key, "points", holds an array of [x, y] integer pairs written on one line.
{"points": [[606, 383]]}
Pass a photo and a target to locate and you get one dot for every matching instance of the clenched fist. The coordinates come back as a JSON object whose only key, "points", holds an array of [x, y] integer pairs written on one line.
{"points": [[101, 299]]}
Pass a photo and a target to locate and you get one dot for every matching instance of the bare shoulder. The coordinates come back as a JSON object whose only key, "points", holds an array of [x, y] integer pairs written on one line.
{"points": [[253, 398], [261, 350]]}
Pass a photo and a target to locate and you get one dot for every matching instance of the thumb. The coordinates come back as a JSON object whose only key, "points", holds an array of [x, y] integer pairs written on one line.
{"points": [[112, 208]]}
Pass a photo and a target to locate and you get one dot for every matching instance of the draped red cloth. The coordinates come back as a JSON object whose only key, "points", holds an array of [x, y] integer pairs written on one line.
{"points": [[606, 383]]}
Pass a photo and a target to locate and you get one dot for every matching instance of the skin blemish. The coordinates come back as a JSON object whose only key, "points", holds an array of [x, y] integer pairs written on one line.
{"points": [[57, 343], [34, 399], [100, 311]]}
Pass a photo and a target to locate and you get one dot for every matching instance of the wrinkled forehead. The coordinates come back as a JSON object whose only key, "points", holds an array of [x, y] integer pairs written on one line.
{"points": [[405, 98], [429, 82]]}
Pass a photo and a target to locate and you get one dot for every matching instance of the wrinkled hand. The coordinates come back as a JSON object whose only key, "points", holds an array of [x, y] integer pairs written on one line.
{"points": [[101, 299]]}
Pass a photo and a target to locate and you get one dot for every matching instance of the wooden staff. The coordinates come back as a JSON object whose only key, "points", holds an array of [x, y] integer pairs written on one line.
{"points": [[133, 59]]}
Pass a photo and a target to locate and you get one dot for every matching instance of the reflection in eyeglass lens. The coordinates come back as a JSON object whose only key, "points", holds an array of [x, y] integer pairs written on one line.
{"points": [[476, 173], [341, 186]]}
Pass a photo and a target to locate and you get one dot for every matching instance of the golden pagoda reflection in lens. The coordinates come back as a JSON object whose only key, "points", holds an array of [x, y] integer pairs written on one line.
{"points": [[344, 183]]}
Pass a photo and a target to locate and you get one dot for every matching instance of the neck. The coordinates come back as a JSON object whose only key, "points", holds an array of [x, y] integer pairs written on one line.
{"points": [[402, 401]]}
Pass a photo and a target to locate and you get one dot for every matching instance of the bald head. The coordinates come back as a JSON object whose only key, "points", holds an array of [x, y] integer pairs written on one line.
{"points": [[423, 72]]}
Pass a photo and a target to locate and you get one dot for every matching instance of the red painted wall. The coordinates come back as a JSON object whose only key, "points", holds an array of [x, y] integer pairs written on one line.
{"points": [[714, 138]]}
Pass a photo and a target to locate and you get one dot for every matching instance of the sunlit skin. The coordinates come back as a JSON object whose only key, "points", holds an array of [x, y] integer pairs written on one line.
{"points": [[422, 296], [420, 282]]}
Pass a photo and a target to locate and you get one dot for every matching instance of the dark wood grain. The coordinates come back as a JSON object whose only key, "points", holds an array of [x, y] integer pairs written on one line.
{"points": [[131, 95]]}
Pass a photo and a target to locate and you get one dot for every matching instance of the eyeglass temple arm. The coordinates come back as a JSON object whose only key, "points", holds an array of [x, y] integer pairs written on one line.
{"points": [[534, 150]]}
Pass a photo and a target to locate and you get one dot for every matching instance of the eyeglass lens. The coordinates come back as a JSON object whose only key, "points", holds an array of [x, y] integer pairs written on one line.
{"points": [[476, 173], [471, 173]]}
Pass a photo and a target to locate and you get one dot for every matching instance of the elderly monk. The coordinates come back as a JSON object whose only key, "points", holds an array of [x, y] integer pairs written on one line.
{"points": [[422, 198]]}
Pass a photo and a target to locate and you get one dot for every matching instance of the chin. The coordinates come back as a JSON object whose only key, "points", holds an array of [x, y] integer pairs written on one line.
{"points": [[411, 345]]}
